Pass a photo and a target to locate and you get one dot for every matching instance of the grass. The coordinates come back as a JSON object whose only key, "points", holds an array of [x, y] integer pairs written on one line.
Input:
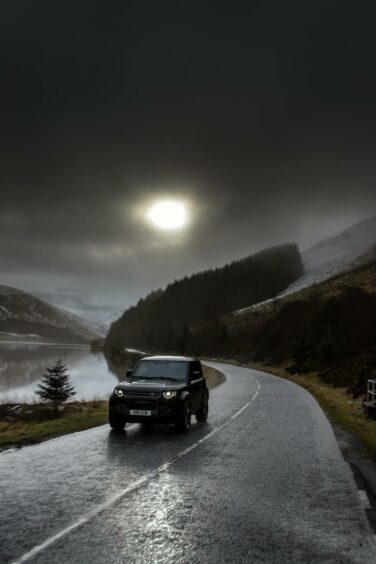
{"points": [[33, 423], [77, 416], [339, 406]]}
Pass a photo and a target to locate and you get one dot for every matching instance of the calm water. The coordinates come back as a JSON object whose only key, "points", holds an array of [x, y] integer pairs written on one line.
{"points": [[23, 364]]}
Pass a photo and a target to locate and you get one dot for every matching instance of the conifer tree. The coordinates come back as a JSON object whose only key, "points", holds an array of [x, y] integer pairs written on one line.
{"points": [[55, 386]]}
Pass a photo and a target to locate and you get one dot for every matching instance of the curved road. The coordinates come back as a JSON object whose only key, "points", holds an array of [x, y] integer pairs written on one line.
{"points": [[262, 481]]}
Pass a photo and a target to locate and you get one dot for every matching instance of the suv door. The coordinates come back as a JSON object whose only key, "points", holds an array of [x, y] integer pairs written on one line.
{"points": [[196, 383]]}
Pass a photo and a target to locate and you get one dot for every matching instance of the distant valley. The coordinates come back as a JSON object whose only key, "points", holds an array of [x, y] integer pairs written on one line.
{"points": [[98, 317], [25, 317]]}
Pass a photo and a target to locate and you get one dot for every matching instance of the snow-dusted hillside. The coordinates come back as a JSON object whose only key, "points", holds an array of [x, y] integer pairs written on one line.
{"points": [[98, 320], [96, 317], [23, 315], [333, 256], [336, 254], [101, 320]]}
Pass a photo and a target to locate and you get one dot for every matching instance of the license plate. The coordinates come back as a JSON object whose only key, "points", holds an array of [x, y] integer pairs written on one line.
{"points": [[140, 412]]}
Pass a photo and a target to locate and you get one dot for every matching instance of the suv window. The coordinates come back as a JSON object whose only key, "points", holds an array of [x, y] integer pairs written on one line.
{"points": [[161, 369], [195, 371]]}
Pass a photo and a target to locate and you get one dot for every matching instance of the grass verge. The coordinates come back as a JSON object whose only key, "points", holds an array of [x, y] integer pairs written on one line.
{"points": [[24, 424], [77, 416]]}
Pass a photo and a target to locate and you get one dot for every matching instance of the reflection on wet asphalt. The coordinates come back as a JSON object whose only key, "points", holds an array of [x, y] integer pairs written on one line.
{"points": [[270, 486]]}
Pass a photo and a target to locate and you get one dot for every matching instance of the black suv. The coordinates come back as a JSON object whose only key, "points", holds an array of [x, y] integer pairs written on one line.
{"points": [[161, 389]]}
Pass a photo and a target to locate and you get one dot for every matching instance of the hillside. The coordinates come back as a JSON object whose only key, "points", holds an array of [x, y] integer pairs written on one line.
{"points": [[333, 256], [336, 254], [163, 319], [328, 328], [23, 316], [100, 320]]}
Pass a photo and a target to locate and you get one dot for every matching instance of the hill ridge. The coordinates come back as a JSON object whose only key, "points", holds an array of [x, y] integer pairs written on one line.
{"points": [[163, 318]]}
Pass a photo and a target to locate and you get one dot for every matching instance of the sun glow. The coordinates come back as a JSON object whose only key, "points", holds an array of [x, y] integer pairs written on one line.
{"points": [[168, 215]]}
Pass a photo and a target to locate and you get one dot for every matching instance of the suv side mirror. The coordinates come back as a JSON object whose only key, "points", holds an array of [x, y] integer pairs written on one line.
{"points": [[129, 372]]}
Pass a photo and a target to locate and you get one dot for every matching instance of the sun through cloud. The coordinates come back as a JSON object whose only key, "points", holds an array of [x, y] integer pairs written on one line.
{"points": [[168, 215]]}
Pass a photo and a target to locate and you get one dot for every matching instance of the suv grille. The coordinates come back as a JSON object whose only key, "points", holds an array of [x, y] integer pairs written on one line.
{"points": [[140, 404], [141, 394]]}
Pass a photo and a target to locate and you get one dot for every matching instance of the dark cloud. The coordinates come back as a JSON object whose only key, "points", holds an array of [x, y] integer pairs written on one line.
{"points": [[262, 114]]}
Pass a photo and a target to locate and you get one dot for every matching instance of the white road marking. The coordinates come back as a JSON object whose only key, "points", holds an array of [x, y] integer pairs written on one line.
{"points": [[142, 481], [364, 499]]}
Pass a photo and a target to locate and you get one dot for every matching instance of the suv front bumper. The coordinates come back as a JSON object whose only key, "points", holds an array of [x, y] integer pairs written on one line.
{"points": [[161, 409]]}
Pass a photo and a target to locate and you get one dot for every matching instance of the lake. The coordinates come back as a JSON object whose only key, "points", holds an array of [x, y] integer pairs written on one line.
{"points": [[22, 365]]}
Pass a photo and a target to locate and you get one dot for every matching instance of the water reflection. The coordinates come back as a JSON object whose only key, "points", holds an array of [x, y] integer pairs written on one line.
{"points": [[23, 364]]}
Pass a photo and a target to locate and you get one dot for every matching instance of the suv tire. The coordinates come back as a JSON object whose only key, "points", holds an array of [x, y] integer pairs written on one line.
{"points": [[202, 413], [116, 424], [184, 423]]}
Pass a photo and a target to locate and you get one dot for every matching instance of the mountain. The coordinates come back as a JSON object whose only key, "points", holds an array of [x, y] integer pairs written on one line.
{"points": [[100, 320], [333, 256], [23, 316], [97, 318], [163, 319]]}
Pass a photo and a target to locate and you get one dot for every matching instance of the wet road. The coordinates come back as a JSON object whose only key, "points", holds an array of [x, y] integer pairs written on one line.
{"points": [[262, 481]]}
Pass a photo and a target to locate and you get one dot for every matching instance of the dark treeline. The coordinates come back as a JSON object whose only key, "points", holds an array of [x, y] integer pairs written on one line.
{"points": [[163, 320]]}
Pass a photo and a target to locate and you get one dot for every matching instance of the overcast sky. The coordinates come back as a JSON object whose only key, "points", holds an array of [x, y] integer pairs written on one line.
{"points": [[259, 115]]}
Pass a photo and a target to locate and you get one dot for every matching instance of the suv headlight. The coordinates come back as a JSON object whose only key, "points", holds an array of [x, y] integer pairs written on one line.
{"points": [[169, 394], [119, 392]]}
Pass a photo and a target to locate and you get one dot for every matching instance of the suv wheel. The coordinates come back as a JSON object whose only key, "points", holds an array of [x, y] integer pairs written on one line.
{"points": [[184, 423], [202, 413], [116, 424]]}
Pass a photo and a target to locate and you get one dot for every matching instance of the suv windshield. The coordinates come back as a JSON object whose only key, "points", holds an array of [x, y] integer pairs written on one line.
{"points": [[161, 369]]}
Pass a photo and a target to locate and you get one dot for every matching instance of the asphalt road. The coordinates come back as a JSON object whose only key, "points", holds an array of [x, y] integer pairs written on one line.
{"points": [[262, 481]]}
